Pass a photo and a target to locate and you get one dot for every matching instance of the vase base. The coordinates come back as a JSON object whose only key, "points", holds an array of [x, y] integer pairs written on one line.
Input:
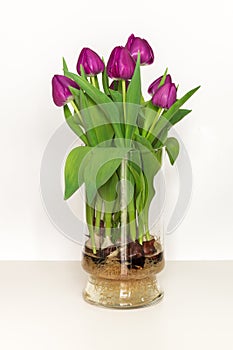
{"points": [[122, 294]]}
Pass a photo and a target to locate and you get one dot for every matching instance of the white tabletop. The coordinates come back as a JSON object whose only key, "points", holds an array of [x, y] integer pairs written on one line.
{"points": [[41, 307]]}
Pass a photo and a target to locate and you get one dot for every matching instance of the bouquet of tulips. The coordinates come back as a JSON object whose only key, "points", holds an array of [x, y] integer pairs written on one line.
{"points": [[123, 137]]}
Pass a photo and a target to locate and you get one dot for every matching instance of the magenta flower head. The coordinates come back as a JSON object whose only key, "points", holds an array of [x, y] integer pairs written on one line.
{"points": [[165, 96], [60, 89], [135, 44], [155, 85], [120, 64], [91, 62]]}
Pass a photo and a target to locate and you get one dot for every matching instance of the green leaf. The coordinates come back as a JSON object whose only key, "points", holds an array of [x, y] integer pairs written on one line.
{"points": [[149, 113], [108, 193], [115, 95], [163, 78], [179, 115], [83, 74], [140, 200], [135, 167], [96, 121], [130, 189], [95, 94], [88, 122], [65, 67], [133, 99], [103, 162], [172, 148], [134, 88], [73, 176], [170, 113], [161, 139], [149, 104], [104, 102], [75, 92], [151, 162], [103, 132], [143, 141], [137, 179], [73, 125], [105, 81]]}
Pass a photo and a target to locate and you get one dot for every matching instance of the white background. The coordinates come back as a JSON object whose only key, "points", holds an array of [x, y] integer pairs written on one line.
{"points": [[192, 38]]}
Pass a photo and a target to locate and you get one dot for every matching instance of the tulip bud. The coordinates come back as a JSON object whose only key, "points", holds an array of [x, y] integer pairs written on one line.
{"points": [[120, 64], [135, 44], [115, 84], [60, 89], [91, 62], [165, 96], [155, 85]]}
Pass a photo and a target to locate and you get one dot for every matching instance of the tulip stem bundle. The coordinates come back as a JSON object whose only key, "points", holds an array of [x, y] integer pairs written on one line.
{"points": [[124, 138]]}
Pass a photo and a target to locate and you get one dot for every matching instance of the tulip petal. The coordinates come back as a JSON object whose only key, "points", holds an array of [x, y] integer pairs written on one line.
{"points": [[60, 89], [165, 96], [130, 41], [120, 64], [154, 86], [172, 96], [135, 45], [91, 62]]}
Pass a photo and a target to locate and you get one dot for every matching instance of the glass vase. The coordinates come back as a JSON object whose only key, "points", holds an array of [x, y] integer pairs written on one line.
{"points": [[123, 250]]}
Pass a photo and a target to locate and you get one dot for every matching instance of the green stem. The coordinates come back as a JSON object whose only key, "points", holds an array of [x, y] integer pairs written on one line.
{"points": [[146, 223], [132, 224], [89, 218], [144, 132], [108, 224], [94, 81], [98, 206], [76, 111], [153, 124], [124, 99], [116, 218], [140, 227]]}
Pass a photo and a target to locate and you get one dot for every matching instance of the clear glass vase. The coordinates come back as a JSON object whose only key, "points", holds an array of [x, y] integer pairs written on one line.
{"points": [[123, 250]]}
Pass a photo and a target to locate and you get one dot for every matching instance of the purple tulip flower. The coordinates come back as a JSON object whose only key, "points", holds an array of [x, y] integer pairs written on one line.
{"points": [[60, 89], [91, 62], [135, 44], [165, 96], [115, 83], [120, 64], [155, 85]]}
